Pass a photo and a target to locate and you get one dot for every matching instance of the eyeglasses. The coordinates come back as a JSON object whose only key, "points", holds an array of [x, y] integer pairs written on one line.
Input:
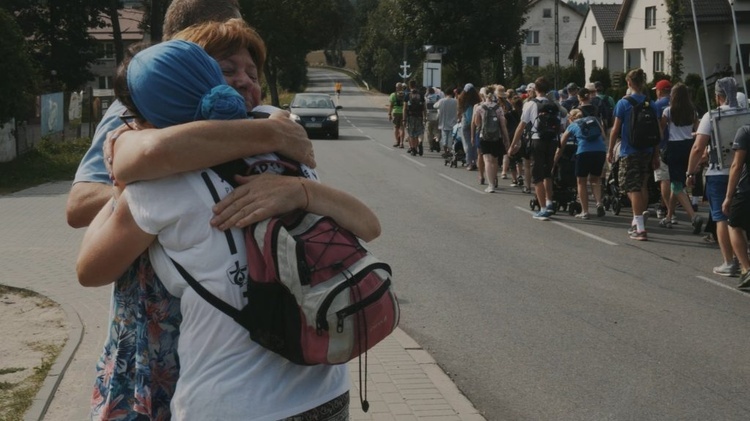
{"points": [[128, 119]]}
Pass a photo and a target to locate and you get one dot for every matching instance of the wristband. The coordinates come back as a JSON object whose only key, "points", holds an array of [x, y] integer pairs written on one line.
{"points": [[307, 196]]}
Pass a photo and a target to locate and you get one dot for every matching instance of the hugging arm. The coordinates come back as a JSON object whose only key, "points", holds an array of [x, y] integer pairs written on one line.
{"points": [[266, 195], [112, 243], [151, 154]]}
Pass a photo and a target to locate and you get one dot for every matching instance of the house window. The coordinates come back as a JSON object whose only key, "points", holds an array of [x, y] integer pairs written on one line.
{"points": [[659, 61], [593, 35], [532, 61], [532, 37], [547, 13], [650, 17], [106, 50], [566, 19], [105, 82], [593, 64]]}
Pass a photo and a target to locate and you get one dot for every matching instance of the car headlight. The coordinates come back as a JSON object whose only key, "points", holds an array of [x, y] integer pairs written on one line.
{"points": [[294, 117], [333, 117]]}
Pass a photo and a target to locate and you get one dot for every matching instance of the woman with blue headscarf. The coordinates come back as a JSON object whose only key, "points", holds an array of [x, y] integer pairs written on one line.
{"points": [[223, 374]]}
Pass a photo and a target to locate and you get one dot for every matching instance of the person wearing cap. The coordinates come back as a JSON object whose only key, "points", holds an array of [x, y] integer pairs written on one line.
{"points": [[530, 91], [396, 114], [572, 101], [717, 179], [168, 84], [661, 174]]}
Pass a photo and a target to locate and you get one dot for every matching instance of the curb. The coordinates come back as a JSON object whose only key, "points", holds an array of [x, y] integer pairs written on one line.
{"points": [[44, 396]]}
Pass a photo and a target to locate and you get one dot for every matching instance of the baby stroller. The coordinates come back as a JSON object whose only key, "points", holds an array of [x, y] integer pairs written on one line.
{"points": [[564, 187], [457, 153]]}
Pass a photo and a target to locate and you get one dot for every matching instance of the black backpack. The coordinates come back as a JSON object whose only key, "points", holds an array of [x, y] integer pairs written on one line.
{"points": [[644, 125], [490, 130], [604, 109], [398, 98], [547, 120], [416, 105]]}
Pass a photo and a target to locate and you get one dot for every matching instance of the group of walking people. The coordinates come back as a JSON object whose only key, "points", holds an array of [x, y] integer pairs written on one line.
{"points": [[600, 134]]}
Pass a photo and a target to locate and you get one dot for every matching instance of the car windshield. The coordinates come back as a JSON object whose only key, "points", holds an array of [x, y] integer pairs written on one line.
{"points": [[312, 102]]}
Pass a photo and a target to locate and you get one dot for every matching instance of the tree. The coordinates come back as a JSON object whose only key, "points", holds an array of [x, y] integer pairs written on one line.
{"points": [[290, 29], [57, 35], [676, 36], [20, 78]]}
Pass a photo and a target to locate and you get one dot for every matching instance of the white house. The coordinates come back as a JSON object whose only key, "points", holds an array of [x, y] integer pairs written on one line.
{"points": [[539, 47], [647, 44], [598, 40]]}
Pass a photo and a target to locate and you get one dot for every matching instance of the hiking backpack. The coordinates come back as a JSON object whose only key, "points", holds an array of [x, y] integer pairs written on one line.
{"points": [[490, 130], [590, 128], [547, 120], [415, 106], [644, 125]]}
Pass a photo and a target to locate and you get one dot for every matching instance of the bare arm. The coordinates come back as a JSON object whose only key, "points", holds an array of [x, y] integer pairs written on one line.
{"points": [[84, 202], [110, 245], [151, 154], [263, 196], [504, 129], [517, 137], [734, 177], [613, 134], [696, 154]]}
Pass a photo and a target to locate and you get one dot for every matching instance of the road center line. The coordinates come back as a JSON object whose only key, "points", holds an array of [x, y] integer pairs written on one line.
{"points": [[459, 183], [574, 229], [719, 284]]}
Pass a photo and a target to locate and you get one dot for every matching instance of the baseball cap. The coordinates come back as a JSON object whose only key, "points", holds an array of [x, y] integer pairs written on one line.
{"points": [[530, 86], [590, 86], [571, 86], [468, 86], [663, 85]]}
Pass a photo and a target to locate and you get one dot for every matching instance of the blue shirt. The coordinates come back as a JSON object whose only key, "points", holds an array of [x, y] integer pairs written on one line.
{"points": [[623, 110], [661, 104], [585, 145], [92, 169]]}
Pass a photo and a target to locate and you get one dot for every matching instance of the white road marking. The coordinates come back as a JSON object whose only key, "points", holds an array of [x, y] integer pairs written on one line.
{"points": [[719, 284], [414, 161], [460, 183], [574, 229]]}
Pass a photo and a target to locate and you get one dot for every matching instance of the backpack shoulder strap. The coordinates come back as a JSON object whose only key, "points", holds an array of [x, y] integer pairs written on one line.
{"points": [[206, 295], [633, 102]]}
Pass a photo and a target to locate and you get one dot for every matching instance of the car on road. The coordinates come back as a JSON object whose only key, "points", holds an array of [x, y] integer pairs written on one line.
{"points": [[317, 113]]}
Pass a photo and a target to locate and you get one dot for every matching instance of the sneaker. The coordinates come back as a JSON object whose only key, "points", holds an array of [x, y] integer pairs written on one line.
{"points": [[744, 281], [514, 183], [600, 211], [674, 220], [504, 176], [551, 210], [646, 214], [639, 236], [632, 229], [727, 269], [420, 149], [665, 223], [542, 215], [526, 189], [489, 189], [697, 224], [583, 215], [661, 212]]}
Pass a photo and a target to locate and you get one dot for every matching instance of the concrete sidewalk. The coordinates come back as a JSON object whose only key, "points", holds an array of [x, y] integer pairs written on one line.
{"points": [[38, 251]]}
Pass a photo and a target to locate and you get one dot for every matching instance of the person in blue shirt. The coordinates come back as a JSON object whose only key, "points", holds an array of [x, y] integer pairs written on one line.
{"points": [[661, 175], [635, 164], [590, 156]]}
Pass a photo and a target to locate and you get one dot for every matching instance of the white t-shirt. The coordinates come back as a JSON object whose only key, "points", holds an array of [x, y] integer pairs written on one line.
{"points": [[447, 113], [705, 128], [677, 133], [223, 374]]}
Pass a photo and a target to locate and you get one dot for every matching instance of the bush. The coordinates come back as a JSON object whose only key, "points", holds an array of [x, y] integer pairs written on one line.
{"points": [[48, 161], [601, 75]]}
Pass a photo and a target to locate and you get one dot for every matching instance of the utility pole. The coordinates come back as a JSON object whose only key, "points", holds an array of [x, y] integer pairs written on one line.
{"points": [[557, 44]]}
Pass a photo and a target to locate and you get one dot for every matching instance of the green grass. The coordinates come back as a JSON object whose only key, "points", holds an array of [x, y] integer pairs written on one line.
{"points": [[49, 161]]}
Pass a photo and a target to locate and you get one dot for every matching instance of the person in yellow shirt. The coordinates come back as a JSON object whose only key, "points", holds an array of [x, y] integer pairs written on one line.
{"points": [[337, 88]]}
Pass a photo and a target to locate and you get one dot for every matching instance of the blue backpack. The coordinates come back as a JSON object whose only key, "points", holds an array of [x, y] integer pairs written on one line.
{"points": [[590, 128]]}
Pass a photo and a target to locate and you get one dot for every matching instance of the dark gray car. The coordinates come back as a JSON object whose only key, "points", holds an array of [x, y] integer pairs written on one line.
{"points": [[317, 113]]}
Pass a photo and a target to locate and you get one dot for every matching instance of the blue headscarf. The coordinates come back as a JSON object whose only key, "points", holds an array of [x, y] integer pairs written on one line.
{"points": [[176, 82]]}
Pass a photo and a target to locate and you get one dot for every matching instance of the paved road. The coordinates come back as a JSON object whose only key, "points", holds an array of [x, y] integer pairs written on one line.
{"points": [[560, 320]]}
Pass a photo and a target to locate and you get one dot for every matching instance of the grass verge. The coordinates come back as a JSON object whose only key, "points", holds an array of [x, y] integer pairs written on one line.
{"points": [[48, 161]]}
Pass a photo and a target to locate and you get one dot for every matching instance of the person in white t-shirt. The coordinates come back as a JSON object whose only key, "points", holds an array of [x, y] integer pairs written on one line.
{"points": [[223, 374]]}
